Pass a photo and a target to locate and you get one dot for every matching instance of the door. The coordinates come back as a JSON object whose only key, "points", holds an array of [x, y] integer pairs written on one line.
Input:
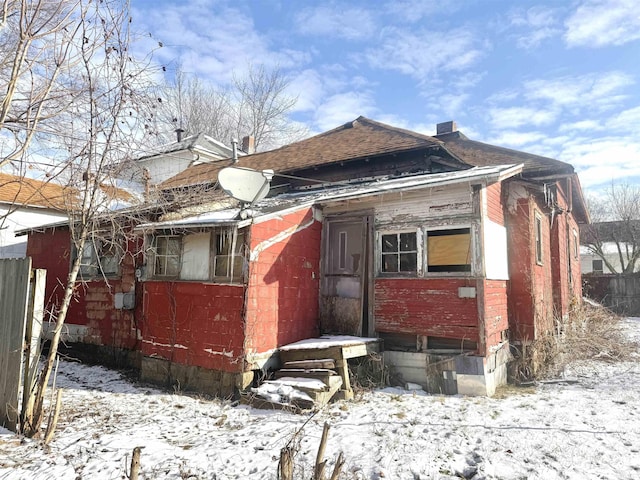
{"points": [[344, 304]]}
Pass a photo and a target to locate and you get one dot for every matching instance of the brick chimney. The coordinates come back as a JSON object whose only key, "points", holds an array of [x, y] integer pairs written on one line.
{"points": [[248, 144], [446, 127]]}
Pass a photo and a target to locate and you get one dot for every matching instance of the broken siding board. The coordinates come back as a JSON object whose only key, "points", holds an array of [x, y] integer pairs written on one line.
{"points": [[431, 204], [426, 306]]}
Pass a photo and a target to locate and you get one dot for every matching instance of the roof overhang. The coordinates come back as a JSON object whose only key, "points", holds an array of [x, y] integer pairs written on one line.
{"points": [[289, 202]]}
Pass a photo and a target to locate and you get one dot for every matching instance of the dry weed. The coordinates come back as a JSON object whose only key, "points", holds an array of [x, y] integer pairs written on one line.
{"points": [[592, 332]]}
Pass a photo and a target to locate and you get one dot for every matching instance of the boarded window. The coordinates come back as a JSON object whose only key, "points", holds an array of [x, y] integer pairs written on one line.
{"points": [[195, 256], [399, 252], [167, 256], [449, 250], [538, 237]]}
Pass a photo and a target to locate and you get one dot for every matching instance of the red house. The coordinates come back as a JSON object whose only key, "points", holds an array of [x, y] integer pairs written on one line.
{"points": [[447, 249]]}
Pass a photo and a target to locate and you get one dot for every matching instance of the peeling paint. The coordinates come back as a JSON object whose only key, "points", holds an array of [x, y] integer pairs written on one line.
{"points": [[167, 345], [262, 246], [224, 353]]}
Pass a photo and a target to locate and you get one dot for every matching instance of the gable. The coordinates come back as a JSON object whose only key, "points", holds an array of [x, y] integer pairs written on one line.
{"points": [[360, 139]]}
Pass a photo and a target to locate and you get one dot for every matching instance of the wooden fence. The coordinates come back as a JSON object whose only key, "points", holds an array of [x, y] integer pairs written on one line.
{"points": [[21, 313], [620, 293]]}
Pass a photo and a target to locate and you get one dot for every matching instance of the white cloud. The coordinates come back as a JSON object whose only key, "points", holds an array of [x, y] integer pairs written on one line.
{"points": [[210, 40], [581, 126], [627, 121], [514, 117], [413, 11], [423, 54], [513, 139], [597, 23], [350, 23], [592, 90], [539, 23], [342, 108], [308, 88]]}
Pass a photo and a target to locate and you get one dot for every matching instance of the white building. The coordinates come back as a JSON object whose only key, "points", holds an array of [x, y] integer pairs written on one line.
{"points": [[26, 203]]}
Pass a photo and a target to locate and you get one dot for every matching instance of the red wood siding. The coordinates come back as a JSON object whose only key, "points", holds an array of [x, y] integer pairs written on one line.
{"points": [[93, 305], [496, 314], [193, 323], [531, 292], [282, 298], [566, 268], [425, 306], [495, 210]]}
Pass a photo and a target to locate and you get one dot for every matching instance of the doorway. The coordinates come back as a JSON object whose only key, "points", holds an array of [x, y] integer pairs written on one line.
{"points": [[345, 288]]}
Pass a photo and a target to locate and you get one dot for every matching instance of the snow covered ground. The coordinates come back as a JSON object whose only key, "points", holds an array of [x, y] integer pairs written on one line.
{"points": [[589, 429]]}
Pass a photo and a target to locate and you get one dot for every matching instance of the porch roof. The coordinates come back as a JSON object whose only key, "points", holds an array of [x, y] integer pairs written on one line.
{"points": [[292, 201]]}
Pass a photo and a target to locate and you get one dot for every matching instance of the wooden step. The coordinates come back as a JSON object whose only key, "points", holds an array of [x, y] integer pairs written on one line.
{"points": [[311, 364], [319, 373]]}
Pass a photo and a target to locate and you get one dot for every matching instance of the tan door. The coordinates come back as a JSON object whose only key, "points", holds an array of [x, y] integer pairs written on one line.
{"points": [[345, 284]]}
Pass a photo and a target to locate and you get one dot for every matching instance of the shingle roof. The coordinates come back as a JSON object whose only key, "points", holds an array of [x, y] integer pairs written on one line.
{"points": [[29, 192], [482, 154], [360, 138]]}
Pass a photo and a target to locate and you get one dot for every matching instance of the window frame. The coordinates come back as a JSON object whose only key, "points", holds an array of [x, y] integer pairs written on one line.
{"points": [[593, 269], [154, 272], [418, 253], [94, 269], [237, 251], [449, 228], [538, 245], [422, 270], [576, 244], [233, 277]]}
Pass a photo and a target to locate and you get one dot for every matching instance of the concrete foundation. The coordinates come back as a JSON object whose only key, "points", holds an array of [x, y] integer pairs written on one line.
{"points": [[191, 378], [452, 373]]}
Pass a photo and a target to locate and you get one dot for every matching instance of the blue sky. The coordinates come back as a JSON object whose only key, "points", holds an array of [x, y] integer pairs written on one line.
{"points": [[556, 78]]}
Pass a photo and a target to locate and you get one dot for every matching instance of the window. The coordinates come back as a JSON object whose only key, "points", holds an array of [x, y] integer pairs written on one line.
{"points": [[99, 257], [399, 252], [576, 245], [538, 235], [449, 250], [167, 249], [228, 262], [597, 266], [213, 255]]}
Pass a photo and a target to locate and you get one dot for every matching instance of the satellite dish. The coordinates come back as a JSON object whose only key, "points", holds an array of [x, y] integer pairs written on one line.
{"points": [[245, 184]]}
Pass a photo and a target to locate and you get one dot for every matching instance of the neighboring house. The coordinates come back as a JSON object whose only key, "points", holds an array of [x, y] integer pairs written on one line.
{"points": [[27, 203], [447, 249], [171, 159], [611, 247]]}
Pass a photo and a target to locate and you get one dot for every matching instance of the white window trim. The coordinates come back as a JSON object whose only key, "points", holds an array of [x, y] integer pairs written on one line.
{"points": [[537, 238], [422, 260], [240, 278], [419, 253]]}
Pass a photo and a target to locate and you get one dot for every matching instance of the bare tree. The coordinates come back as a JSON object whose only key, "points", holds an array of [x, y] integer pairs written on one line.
{"points": [[256, 104], [614, 235], [36, 44], [93, 135]]}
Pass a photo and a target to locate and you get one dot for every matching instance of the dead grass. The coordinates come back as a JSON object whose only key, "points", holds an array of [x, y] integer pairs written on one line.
{"points": [[592, 332], [595, 332]]}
